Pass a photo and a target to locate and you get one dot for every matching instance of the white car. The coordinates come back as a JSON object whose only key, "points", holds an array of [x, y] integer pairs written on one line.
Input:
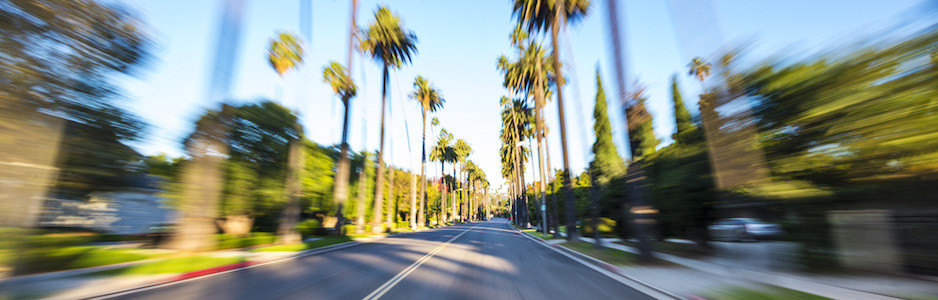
{"points": [[743, 229]]}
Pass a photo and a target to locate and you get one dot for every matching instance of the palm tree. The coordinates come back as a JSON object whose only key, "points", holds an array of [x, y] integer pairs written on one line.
{"points": [[285, 53], [528, 76], [516, 123], [700, 69], [439, 153], [391, 45], [340, 81], [538, 16], [461, 149], [430, 100]]}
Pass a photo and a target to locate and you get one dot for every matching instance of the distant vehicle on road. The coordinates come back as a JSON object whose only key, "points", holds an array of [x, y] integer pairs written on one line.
{"points": [[744, 229]]}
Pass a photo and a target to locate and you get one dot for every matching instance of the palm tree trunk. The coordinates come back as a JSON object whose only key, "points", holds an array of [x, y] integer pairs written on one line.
{"points": [[421, 216], [555, 217], [340, 190], [571, 217], [379, 174], [362, 189], [286, 230], [635, 177], [443, 192], [539, 132], [413, 201], [389, 221], [453, 194]]}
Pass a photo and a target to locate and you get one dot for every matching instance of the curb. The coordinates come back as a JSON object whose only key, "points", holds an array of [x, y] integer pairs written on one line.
{"points": [[604, 268], [209, 271]]}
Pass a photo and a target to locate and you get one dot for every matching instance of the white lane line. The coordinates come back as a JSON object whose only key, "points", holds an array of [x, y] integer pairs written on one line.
{"points": [[384, 288], [629, 281]]}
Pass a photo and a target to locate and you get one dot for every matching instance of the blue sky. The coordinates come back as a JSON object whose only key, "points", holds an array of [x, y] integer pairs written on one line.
{"points": [[459, 42]]}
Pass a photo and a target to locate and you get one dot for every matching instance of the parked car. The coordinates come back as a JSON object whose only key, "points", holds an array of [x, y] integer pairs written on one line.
{"points": [[744, 229], [159, 234]]}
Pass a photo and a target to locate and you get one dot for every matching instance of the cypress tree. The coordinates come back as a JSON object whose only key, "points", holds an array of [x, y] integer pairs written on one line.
{"points": [[606, 164], [681, 116]]}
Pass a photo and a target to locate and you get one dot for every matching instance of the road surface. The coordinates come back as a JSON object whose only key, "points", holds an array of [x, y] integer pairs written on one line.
{"points": [[483, 260]]}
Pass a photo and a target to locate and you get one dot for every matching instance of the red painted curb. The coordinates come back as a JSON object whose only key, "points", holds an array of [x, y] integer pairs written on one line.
{"points": [[209, 271]]}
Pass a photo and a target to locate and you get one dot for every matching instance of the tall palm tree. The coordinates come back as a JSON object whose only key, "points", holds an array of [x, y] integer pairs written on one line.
{"points": [[340, 189], [392, 45], [516, 123], [285, 53], [340, 81], [529, 76], [700, 69], [539, 16], [462, 149], [430, 100], [439, 153], [450, 157]]}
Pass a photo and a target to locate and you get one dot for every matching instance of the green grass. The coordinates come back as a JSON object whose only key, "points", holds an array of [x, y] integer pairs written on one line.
{"points": [[609, 255], [56, 259], [326, 241], [174, 265], [677, 249], [257, 238], [536, 233], [771, 293]]}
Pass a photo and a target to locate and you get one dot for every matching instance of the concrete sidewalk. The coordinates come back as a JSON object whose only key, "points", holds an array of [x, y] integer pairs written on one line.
{"points": [[698, 274]]}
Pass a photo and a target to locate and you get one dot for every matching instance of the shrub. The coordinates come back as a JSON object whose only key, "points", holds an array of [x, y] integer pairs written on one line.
{"points": [[606, 226], [311, 227], [226, 241]]}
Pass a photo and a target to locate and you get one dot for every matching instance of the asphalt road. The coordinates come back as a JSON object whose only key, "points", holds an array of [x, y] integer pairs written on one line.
{"points": [[483, 260]]}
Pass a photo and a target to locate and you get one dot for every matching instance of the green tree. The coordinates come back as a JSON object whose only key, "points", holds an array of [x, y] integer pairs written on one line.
{"points": [[606, 164], [430, 100], [516, 125], [441, 152], [542, 15], [392, 45], [462, 150], [57, 72], [682, 119]]}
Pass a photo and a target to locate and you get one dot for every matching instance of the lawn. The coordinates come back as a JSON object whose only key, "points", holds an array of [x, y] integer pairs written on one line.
{"points": [[770, 293], [536, 233], [47, 259], [609, 255], [677, 249], [174, 265], [326, 241], [226, 241]]}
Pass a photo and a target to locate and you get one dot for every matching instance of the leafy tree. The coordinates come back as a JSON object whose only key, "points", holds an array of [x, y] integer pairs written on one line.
{"points": [[57, 72], [318, 180], [392, 45]]}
